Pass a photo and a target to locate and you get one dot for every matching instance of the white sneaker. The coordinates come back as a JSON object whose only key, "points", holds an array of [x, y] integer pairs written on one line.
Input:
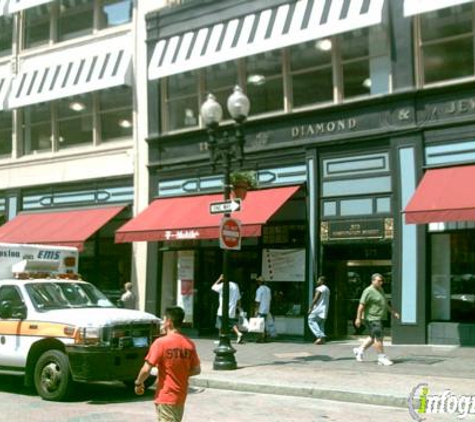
{"points": [[385, 361], [239, 339], [358, 354]]}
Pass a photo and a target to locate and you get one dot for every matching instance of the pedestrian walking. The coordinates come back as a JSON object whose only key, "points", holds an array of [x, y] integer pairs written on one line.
{"points": [[318, 310], [234, 303], [175, 357], [262, 304], [373, 309], [128, 299]]}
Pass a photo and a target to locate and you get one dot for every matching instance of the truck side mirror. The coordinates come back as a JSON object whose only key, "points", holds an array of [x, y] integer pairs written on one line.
{"points": [[19, 312], [6, 309]]}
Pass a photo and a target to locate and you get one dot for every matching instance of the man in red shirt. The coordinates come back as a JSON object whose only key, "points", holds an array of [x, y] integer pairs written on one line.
{"points": [[176, 359]]}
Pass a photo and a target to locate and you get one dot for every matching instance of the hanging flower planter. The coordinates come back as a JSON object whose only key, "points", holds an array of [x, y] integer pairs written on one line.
{"points": [[242, 182]]}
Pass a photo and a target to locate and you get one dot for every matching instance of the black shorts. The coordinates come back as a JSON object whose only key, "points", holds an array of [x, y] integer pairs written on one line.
{"points": [[231, 323], [375, 329]]}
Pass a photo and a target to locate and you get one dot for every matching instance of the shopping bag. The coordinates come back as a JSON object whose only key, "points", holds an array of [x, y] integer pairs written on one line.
{"points": [[256, 325], [243, 322]]}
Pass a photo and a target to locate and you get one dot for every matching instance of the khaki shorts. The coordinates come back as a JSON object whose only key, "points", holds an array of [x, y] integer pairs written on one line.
{"points": [[169, 412]]}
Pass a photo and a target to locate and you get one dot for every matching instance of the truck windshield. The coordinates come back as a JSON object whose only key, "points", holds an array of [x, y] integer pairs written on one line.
{"points": [[51, 295]]}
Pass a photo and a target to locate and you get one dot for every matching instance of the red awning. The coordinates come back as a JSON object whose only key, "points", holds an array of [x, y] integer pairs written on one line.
{"points": [[188, 217], [444, 194], [65, 228]]}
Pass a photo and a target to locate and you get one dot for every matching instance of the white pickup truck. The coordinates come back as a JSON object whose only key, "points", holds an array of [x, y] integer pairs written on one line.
{"points": [[56, 329]]}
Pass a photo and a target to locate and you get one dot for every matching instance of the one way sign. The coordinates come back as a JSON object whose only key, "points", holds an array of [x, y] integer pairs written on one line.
{"points": [[225, 206]]}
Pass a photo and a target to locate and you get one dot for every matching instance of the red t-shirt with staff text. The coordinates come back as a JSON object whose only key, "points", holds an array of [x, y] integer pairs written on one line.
{"points": [[174, 355]]}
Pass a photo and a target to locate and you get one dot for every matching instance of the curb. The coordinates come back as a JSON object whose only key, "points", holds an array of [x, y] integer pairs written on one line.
{"points": [[302, 391]]}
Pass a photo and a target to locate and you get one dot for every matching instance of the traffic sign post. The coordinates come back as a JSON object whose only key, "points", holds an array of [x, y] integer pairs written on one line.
{"points": [[230, 234], [226, 206]]}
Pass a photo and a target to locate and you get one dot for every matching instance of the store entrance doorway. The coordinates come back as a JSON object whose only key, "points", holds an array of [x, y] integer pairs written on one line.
{"points": [[348, 269]]}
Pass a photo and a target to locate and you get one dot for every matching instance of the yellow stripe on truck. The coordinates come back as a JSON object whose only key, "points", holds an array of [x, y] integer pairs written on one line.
{"points": [[36, 328]]}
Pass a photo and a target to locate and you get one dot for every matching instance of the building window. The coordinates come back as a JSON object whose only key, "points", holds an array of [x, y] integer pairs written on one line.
{"points": [[36, 23], [37, 134], [311, 73], [5, 133], [265, 82], [453, 276], [68, 19], [220, 80], [6, 35], [75, 121], [446, 44], [75, 19], [114, 13], [115, 111], [181, 101], [82, 120]]}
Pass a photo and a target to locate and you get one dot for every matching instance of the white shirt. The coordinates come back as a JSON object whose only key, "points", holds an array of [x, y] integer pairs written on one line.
{"points": [[263, 296], [321, 307], [128, 300], [234, 296]]}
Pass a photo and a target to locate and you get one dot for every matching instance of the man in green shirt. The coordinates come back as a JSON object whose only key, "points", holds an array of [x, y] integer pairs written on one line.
{"points": [[373, 308]]}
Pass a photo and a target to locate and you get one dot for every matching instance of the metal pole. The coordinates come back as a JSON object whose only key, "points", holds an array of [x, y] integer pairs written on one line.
{"points": [[224, 353]]}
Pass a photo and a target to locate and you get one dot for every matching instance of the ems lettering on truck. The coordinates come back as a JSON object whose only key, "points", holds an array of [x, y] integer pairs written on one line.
{"points": [[57, 330]]}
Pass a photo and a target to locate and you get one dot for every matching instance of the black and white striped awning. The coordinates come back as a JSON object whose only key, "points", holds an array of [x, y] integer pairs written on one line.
{"points": [[5, 81], [3, 7], [416, 7], [288, 24], [92, 67]]}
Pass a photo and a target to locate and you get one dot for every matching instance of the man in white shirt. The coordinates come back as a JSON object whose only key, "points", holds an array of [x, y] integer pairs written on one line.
{"points": [[128, 298], [262, 303], [234, 302], [318, 311]]}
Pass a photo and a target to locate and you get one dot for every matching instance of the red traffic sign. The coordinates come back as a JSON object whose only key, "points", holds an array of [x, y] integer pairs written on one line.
{"points": [[230, 233]]}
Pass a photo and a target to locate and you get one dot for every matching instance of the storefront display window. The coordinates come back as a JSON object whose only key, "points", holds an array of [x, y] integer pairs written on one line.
{"points": [[453, 276], [446, 44]]}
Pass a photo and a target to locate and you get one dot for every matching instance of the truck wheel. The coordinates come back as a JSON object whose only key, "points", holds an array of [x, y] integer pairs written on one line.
{"points": [[52, 376]]}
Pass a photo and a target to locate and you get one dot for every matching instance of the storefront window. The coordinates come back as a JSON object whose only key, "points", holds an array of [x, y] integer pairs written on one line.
{"points": [[75, 124], [6, 33], [115, 12], [182, 101], [75, 19], [311, 72], [37, 26], [453, 276], [115, 110], [37, 133], [265, 82], [5, 133], [447, 44]]}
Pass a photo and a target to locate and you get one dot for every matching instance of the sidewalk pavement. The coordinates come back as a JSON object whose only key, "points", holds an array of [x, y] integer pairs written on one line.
{"points": [[331, 372]]}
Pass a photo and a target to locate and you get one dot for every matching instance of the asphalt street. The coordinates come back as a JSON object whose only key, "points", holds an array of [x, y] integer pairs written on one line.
{"points": [[112, 403]]}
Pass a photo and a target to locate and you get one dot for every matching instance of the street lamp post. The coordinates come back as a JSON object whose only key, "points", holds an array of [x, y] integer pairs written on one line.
{"points": [[225, 149]]}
